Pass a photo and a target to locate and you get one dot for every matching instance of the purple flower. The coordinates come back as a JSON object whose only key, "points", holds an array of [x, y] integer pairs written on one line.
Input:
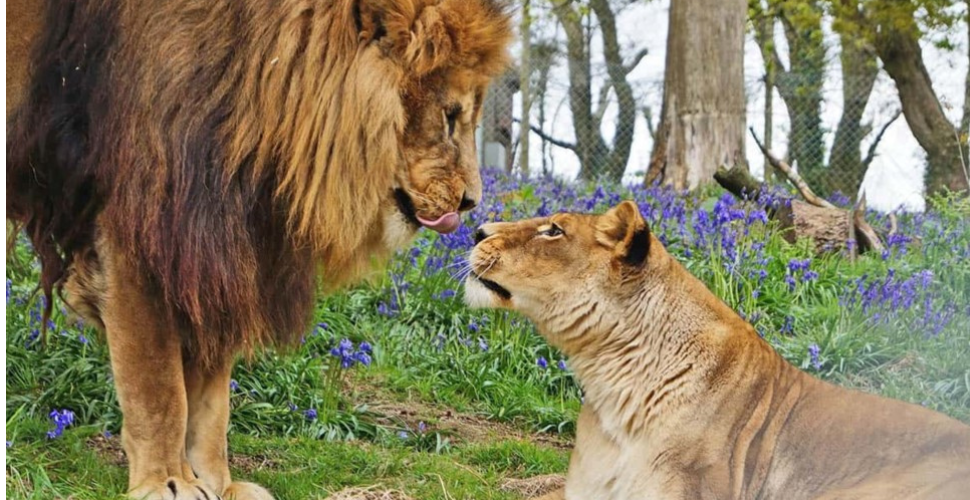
{"points": [[482, 344], [561, 364], [310, 414], [813, 352], [542, 363], [61, 419], [233, 385], [422, 427]]}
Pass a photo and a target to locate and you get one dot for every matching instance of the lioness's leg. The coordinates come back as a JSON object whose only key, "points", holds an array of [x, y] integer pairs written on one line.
{"points": [[205, 439], [146, 361]]}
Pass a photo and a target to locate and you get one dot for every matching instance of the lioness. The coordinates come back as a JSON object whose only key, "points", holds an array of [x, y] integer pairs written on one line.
{"points": [[683, 399]]}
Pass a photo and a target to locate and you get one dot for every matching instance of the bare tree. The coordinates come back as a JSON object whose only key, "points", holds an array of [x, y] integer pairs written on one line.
{"points": [[800, 84], [597, 157], [702, 122], [897, 43]]}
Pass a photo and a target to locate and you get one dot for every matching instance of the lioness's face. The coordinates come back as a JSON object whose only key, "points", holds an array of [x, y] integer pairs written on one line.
{"points": [[438, 147], [549, 267]]}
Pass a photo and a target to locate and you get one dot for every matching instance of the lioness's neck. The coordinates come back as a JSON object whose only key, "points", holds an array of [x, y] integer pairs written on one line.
{"points": [[654, 349]]}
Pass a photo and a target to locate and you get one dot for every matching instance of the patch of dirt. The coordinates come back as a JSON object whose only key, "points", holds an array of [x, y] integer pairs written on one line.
{"points": [[368, 493], [462, 427], [110, 449], [534, 486], [250, 463]]}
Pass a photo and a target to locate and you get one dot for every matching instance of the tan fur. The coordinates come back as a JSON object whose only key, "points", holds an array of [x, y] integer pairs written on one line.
{"points": [[684, 400], [190, 171]]}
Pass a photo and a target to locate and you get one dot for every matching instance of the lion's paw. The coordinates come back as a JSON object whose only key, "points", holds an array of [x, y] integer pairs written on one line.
{"points": [[246, 491], [174, 489]]}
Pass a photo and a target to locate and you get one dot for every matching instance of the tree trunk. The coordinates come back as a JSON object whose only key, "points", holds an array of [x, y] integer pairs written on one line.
{"points": [[965, 120], [898, 46], [859, 71], [525, 87], [702, 121]]}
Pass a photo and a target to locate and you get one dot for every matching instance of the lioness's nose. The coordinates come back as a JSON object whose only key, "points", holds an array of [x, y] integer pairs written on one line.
{"points": [[480, 235]]}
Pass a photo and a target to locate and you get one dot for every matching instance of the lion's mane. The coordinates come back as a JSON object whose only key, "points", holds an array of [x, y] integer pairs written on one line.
{"points": [[236, 152]]}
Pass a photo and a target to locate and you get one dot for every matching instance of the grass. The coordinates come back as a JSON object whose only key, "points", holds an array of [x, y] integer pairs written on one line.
{"points": [[451, 403]]}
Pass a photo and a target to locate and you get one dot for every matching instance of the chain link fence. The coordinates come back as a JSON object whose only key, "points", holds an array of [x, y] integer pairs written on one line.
{"points": [[838, 122]]}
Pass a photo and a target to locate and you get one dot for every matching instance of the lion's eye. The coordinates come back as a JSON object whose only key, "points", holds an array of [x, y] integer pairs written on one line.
{"points": [[451, 115], [552, 231]]}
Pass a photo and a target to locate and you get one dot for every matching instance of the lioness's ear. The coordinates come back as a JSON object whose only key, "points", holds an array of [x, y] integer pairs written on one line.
{"points": [[624, 230]]}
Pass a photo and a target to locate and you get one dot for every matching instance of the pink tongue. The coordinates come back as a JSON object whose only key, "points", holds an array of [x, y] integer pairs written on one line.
{"points": [[444, 224]]}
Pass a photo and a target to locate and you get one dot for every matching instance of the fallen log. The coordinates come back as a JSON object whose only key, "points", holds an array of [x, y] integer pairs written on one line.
{"points": [[830, 228]]}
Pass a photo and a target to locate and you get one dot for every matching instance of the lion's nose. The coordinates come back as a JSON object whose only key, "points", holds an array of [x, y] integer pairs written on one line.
{"points": [[466, 203]]}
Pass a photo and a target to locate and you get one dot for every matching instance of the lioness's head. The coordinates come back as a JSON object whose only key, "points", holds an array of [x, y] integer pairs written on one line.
{"points": [[447, 51], [562, 269]]}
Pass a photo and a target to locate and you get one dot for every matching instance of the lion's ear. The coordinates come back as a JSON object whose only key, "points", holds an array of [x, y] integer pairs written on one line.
{"points": [[468, 33], [625, 231]]}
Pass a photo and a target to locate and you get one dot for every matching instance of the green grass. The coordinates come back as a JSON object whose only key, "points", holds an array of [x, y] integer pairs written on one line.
{"points": [[489, 412]]}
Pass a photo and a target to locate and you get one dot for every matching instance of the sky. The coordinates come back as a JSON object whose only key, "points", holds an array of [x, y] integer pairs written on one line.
{"points": [[894, 179]]}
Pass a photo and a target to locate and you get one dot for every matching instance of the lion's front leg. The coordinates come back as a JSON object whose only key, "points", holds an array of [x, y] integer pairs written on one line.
{"points": [[208, 422], [146, 361]]}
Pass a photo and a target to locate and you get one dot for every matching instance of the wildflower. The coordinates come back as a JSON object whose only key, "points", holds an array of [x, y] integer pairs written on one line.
{"points": [[61, 419], [561, 364], [292, 406], [809, 276], [9, 444], [233, 385], [82, 339], [422, 427], [542, 363], [482, 344], [310, 414], [790, 281], [473, 326], [402, 434], [813, 352]]}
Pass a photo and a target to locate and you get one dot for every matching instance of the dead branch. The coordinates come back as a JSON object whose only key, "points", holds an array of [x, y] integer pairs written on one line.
{"points": [[866, 236], [893, 224], [546, 137], [792, 176]]}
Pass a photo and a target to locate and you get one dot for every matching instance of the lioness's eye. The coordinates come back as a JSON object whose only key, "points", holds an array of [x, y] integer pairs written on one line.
{"points": [[553, 230], [452, 114]]}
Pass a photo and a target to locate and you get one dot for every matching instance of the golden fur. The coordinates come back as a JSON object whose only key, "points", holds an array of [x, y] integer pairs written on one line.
{"points": [[190, 171], [683, 399]]}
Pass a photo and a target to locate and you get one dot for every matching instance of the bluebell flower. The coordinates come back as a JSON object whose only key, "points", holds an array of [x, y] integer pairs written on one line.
{"points": [[233, 385], [561, 364], [482, 344], [542, 363], [402, 434], [813, 352], [310, 414], [61, 419]]}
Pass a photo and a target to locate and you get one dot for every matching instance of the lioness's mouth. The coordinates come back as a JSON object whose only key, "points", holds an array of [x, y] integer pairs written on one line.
{"points": [[493, 286], [443, 224]]}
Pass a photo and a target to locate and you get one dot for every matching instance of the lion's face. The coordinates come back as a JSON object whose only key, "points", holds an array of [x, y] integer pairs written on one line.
{"points": [[441, 54], [438, 149], [549, 268]]}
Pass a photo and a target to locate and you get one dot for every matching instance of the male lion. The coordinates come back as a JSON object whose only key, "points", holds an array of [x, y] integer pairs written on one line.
{"points": [[189, 171], [684, 400]]}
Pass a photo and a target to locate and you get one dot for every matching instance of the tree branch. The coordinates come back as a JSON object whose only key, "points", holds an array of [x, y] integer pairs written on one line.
{"points": [[792, 176], [548, 138], [871, 154], [627, 69], [651, 128]]}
